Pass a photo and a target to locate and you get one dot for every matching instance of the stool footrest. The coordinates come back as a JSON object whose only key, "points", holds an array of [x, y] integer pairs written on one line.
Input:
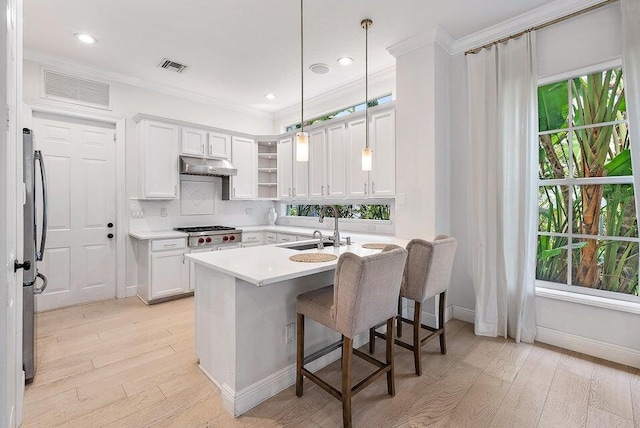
{"points": [[322, 352]]}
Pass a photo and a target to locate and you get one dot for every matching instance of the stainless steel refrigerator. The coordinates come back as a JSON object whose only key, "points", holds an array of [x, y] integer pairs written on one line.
{"points": [[32, 253]]}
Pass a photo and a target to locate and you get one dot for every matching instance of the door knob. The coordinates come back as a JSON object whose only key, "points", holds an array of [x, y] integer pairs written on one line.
{"points": [[110, 235], [109, 225]]}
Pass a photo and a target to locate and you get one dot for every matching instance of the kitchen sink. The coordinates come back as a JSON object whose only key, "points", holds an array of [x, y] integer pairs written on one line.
{"points": [[305, 245]]}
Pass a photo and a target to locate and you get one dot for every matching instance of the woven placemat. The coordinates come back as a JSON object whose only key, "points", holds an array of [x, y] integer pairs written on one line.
{"points": [[313, 258], [374, 246]]}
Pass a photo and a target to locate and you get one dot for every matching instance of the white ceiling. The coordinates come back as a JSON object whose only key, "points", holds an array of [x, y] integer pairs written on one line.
{"points": [[238, 50]]}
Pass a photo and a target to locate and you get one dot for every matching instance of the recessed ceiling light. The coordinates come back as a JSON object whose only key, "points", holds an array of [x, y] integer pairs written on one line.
{"points": [[320, 68], [86, 38], [345, 60], [269, 96]]}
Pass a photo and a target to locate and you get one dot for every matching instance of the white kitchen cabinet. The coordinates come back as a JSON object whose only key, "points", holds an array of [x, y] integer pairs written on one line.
{"points": [[285, 172], [219, 146], [300, 177], [271, 238], [244, 158], [194, 142], [336, 161], [268, 169], [158, 160], [253, 238], [317, 163], [163, 272], [382, 138], [357, 185], [285, 237]]}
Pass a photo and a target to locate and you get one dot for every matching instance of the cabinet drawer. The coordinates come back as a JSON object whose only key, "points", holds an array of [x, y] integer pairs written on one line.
{"points": [[286, 238], [272, 238], [251, 237], [168, 244]]}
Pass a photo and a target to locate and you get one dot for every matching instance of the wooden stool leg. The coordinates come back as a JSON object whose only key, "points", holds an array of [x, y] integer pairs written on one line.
{"points": [[347, 351], [443, 340], [391, 385], [372, 341], [299, 354], [417, 312], [399, 325]]}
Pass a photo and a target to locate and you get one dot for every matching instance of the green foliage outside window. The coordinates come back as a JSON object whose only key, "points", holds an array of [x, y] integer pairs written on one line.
{"points": [[364, 211], [583, 144]]}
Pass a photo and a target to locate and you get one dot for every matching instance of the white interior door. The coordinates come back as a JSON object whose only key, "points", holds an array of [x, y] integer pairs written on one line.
{"points": [[79, 259]]}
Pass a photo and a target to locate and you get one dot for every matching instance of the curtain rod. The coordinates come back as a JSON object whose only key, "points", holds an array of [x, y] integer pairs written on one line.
{"points": [[538, 27]]}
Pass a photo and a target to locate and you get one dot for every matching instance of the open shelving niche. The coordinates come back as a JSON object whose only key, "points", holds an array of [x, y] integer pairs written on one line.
{"points": [[267, 169]]}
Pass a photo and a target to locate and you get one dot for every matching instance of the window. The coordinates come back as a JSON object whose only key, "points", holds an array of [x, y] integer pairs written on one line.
{"points": [[363, 212], [587, 224], [343, 112]]}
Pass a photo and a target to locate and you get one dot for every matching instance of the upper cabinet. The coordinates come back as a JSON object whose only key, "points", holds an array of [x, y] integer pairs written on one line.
{"points": [[357, 185], [244, 158], [317, 163], [268, 169], [194, 142], [285, 171], [382, 138], [219, 146], [336, 143], [158, 159], [300, 177]]}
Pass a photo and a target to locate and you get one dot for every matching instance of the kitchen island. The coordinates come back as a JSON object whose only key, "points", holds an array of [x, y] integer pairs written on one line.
{"points": [[245, 303]]}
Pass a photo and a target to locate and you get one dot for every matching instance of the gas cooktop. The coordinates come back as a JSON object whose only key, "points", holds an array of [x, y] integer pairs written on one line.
{"points": [[196, 229], [207, 236]]}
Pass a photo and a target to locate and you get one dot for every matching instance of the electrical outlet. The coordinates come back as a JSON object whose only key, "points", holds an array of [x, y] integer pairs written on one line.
{"points": [[289, 331], [248, 211], [371, 227], [163, 212]]}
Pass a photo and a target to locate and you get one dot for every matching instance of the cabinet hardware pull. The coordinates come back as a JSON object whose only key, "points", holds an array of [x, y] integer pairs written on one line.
{"points": [[289, 191], [294, 192], [175, 190], [234, 192], [169, 245], [202, 148], [322, 190], [365, 188], [328, 190], [373, 187]]}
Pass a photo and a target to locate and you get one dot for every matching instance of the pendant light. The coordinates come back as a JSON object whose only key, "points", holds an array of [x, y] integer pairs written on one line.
{"points": [[367, 153], [302, 138]]}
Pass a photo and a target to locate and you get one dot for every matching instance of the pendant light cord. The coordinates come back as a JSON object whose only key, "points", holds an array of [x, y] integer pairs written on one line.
{"points": [[301, 66], [366, 23]]}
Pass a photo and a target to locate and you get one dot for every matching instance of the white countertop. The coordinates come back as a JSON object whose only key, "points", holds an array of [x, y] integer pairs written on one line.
{"points": [[268, 264], [161, 234]]}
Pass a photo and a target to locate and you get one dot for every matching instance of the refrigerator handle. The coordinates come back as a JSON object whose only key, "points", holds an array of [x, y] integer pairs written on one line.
{"points": [[40, 290], [43, 240]]}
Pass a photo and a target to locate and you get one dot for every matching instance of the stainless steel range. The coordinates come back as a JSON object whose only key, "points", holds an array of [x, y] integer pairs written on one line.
{"points": [[210, 236]]}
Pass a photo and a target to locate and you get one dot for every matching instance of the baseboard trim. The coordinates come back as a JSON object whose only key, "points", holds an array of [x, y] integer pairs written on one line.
{"points": [[130, 291], [239, 402], [585, 345], [464, 314]]}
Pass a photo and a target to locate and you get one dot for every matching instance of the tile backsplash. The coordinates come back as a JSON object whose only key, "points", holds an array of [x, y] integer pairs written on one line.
{"points": [[199, 204]]}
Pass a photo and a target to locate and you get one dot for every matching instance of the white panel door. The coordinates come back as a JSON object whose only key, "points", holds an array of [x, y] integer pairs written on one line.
{"points": [[383, 142], [194, 142], [244, 185], [317, 163], [336, 163], [285, 173], [357, 179], [219, 146], [79, 257]]}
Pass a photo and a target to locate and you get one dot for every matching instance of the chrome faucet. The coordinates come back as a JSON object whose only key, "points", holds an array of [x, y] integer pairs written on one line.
{"points": [[320, 243], [336, 232]]}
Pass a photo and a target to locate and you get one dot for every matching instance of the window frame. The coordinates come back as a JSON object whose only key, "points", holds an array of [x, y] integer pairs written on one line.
{"points": [[572, 181]]}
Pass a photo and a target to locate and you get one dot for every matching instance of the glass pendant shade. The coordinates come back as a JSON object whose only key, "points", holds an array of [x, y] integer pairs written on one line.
{"points": [[367, 159], [302, 147]]}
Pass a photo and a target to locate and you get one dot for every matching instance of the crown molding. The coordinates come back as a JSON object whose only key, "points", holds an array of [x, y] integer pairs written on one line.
{"points": [[90, 71], [374, 78], [521, 22], [436, 34]]}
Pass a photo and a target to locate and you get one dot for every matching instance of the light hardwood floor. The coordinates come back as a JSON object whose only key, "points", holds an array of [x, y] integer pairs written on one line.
{"points": [[123, 364]]}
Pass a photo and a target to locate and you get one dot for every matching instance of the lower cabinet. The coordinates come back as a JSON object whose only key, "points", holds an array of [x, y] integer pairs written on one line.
{"points": [[163, 271]]}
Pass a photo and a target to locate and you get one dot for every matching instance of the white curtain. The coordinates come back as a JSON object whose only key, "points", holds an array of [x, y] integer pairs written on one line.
{"points": [[503, 186], [631, 70]]}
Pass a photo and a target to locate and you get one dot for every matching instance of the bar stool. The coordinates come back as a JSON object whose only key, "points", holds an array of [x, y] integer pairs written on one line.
{"points": [[427, 274], [363, 295]]}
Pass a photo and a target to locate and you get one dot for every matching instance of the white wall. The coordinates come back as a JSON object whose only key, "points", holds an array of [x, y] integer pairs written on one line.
{"points": [[580, 43], [129, 100]]}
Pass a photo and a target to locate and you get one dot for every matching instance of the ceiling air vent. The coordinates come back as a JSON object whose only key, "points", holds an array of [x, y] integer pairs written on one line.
{"points": [[172, 65], [71, 89]]}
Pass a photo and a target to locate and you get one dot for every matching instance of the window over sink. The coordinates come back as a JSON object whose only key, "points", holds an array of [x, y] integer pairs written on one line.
{"points": [[354, 211]]}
